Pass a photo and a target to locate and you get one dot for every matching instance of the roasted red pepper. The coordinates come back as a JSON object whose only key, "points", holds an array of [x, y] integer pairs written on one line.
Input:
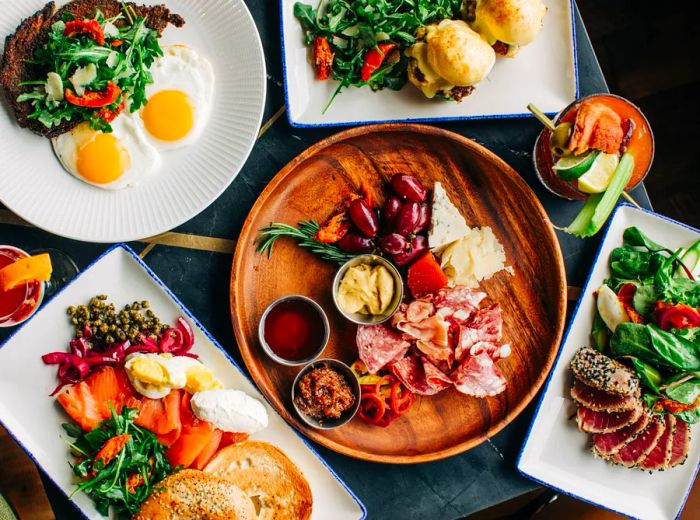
{"points": [[626, 294], [109, 114], [334, 229], [676, 316], [90, 27], [323, 57], [374, 58], [672, 406], [93, 98]]}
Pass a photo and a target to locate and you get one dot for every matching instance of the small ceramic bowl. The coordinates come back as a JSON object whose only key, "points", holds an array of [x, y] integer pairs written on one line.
{"points": [[294, 362], [351, 379], [369, 319]]}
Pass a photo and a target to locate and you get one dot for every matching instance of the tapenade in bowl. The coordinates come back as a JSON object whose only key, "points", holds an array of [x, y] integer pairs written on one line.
{"points": [[326, 393]]}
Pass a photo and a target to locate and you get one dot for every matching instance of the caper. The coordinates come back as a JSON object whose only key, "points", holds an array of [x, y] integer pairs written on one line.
{"points": [[109, 339], [145, 304], [559, 141], [74, 321]]}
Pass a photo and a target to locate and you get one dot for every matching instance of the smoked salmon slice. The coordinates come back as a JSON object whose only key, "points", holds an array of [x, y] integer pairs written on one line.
{"points": [[209, 450], [160, 416], [88, 402], [193, 439]]}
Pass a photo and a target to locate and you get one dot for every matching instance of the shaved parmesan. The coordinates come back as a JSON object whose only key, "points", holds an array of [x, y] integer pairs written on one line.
{"points": [[54, 87], [476, 256], [83, 76]]}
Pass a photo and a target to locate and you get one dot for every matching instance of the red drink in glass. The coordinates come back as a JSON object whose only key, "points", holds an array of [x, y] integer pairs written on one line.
{"points": [[18, 304]]}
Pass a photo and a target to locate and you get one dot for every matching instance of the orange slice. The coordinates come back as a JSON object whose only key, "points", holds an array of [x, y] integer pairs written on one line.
{"points": [[28, 269]]}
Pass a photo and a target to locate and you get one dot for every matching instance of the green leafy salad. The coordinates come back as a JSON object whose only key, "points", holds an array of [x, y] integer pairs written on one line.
{"points": [[94, 66], [118, 463], [648, 317], [359, 42]]}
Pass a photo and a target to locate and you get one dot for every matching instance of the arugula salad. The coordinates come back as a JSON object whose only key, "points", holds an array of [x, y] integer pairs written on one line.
{"points": [[94, 66], [361, 42], [648, 317]]}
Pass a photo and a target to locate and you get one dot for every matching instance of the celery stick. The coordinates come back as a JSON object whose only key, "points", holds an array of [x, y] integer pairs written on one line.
{"points": [[598, 207]]}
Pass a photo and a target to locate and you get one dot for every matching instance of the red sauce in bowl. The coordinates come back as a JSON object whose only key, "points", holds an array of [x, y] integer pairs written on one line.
{"points": [[294, 330], [641, 146]]}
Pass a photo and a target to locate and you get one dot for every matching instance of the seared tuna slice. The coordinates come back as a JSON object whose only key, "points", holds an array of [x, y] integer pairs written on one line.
{"points": [[638, 448], [600, 401], [681, 443], [603, 422], [660, 456], [607, 444], [599, 371]]}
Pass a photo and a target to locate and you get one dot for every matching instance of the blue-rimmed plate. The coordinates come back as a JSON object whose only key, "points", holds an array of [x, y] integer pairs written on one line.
{"points": [[557, 454], [34, 419], [543, 73]]}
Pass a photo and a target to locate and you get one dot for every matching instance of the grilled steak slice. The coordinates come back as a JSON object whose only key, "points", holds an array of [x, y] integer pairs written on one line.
{"points": [[638, 448], [607, 444], [32, 32], [660, 456], [599, 371], [600, 401], [681, 443], [591, 421]]}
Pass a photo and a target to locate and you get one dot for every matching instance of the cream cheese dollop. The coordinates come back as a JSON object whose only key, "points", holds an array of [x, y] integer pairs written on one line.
{"points": [[230, 410]]}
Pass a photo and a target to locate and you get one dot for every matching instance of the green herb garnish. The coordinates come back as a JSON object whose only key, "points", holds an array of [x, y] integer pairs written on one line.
{"points": [[125, 480], [304, 235]]}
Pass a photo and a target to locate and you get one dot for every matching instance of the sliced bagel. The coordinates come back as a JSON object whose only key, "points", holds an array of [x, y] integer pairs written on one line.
{"points": [[267, 475]]}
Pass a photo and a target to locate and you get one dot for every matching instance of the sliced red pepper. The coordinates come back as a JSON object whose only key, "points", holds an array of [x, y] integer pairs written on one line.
{"points": [[626, 294], [110, 114], [116, 43], [372, 408], [90, 27], [374, 58], [323, 57], [400, 403], [676, 316], [94, 98]]}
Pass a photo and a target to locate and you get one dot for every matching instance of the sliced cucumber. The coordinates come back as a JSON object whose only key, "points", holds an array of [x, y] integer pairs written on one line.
{"points": [[691, 259], [570, 168]]}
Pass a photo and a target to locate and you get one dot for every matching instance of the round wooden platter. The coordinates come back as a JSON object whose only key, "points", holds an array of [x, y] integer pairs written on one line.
{"points": [[488, 192]]}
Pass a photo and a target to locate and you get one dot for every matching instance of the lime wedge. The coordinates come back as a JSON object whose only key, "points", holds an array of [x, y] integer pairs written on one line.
{"points": [[598, 176], [572, 167]]}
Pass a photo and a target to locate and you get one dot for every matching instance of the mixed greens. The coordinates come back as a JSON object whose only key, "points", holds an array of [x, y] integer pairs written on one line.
{"points": [[351, 29], [660, 337], [118, 463], [93, 67]]}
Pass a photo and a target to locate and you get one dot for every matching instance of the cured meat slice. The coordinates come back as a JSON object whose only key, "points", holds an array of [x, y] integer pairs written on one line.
{"points": [[681, 443], [436, 352], [600, 401], [599, 371], [432, 329], [378, 345], [607, 444], [478, 376], [660, 456], [486, 325], [591, 421], [459, 298], [418, 310], [419, 375], [638, 448]]}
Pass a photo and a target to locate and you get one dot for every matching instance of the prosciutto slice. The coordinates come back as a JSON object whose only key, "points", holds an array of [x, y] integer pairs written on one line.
{"points": [[478, 376], [420, 376], [378, 346]]}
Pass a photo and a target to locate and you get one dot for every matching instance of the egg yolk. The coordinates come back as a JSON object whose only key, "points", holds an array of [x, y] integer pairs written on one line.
{"points": [[200, 378], [149, 371], [168, 115], [102, 159]]}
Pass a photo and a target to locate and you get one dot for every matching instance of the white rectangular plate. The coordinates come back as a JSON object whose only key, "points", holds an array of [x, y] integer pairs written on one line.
{"points": [[543, 73], [34, 419], [557, 454]]}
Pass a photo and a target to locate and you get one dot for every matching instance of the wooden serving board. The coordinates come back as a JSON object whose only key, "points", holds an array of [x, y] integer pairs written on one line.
{"points": [[489, 193]]}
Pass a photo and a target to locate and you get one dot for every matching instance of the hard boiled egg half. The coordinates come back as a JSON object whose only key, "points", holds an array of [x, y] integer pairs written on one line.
{"points": [[179, 99], [110, 161], [155, 375]]}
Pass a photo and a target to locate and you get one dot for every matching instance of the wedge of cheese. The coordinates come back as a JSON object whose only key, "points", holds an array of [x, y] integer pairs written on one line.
{"points": [[446, 222]]}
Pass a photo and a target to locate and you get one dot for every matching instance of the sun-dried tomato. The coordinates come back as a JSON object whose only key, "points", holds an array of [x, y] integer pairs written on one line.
{"points": [[94, 98], [323, 57], [90, 27]]}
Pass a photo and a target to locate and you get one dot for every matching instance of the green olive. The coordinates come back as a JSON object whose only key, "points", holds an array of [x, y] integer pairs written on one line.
{"points": [[559, 141]]}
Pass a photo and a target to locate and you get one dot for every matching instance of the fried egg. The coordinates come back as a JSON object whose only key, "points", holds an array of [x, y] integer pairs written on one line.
{"points": [[109, 161], [179, 99]]}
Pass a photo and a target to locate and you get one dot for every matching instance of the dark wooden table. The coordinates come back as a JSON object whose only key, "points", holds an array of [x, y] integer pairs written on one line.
{"points": [[451, 488]]}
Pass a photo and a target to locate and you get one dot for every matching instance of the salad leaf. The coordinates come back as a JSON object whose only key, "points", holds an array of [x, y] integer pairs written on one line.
{"points": [[647, 374], [676, 351], [600, 334], [644, 299], [689, 416], [634, 237], [654, 346], [686, 393], [629, 263]]}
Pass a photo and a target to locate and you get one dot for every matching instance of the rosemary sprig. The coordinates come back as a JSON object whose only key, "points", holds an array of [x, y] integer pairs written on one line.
{"points": [[304, 235]]}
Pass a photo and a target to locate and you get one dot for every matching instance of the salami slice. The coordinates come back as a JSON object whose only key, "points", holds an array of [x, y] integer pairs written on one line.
{"points": [[420, 376], [478, 376], [459, 298], [378, 345], [485, 326]]}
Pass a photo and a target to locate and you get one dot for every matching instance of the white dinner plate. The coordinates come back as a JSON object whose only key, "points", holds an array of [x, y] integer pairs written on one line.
{"points": [[34, 418], [35, 186], [557, 454], [543, 73]]}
